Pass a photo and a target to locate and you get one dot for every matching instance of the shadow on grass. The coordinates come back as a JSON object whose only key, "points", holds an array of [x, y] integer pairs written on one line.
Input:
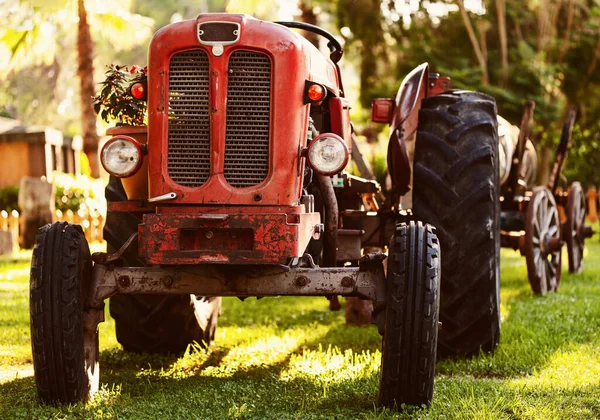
{"points": [[140, 383], [533, 331], [281, 312], [144, 386], [250, 391], [261, 392], [536, 327]]}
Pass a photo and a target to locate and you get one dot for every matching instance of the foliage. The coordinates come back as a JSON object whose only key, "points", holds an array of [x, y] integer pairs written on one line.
{"points": [[164, 13], [583, 162], [75, 193], [262, 9], [9, 198], [553, 53], [72, 193], [38, 55], [115, 102], [292, 358]]}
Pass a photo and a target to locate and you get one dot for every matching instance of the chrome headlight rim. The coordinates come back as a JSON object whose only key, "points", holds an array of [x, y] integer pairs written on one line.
{"points": [[319, 139], [106, 150]]}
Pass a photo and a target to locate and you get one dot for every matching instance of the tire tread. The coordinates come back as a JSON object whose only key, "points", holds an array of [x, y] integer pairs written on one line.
{"points": [[60, 256], [410, 336], [456, 189]]}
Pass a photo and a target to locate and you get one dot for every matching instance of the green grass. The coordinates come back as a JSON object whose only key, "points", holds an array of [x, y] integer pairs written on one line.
{"points": [[292, 358]]}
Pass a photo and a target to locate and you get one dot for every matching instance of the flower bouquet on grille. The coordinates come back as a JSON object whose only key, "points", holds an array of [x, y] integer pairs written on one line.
{"points": [[122, 98], [122, 101]]}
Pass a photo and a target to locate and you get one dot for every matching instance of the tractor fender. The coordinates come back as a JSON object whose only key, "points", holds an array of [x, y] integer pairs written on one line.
{"points": [[403, 126]]}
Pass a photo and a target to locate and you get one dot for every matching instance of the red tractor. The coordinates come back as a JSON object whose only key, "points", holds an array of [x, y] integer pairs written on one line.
{"points": [[233, 195]]}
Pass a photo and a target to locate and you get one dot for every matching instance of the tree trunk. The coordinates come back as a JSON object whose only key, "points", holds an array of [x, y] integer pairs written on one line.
{"points": [[556, 13], [501, 12], [85, 72], [474, 43], [567, 37], [592, 67], [482, 28], [543, 29]]}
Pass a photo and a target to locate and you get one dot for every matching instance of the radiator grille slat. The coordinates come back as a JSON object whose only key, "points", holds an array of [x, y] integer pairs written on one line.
{"points": [[248, 119], [188, 161]]}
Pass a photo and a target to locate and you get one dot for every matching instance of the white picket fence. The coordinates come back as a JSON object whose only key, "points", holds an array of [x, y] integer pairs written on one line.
{"points": [[92, 223]]}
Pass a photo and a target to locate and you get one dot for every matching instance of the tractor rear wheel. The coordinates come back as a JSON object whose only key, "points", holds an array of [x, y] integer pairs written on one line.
{"points": [[411, 317], [456, 189], [65, 354], [153, 323]]}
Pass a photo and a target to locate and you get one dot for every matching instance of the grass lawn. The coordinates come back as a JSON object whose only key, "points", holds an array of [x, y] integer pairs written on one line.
{"points": [[291, 358]]}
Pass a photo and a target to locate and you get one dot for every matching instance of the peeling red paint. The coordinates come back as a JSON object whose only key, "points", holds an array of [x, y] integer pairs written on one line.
{"points": [[173, 238]]}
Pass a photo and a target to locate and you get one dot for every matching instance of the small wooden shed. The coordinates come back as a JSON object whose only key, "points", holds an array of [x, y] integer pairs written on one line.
{"points": [[35, 151]]}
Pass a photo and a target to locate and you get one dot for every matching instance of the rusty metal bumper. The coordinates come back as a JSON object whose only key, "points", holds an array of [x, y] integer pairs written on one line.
{"points": [[202, 238]]}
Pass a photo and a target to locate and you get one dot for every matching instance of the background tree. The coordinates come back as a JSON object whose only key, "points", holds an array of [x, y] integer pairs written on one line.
{"points": [[39, 35], [544, 50], [85, 73]]}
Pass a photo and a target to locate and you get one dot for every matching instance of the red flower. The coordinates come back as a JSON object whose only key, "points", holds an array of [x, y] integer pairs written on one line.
{"points": [[133, 69]]}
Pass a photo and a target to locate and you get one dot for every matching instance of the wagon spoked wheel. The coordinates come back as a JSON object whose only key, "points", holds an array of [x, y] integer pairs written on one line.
{"points": [[574, 232], [542, 247]]}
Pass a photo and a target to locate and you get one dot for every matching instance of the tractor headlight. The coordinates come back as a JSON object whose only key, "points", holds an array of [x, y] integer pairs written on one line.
{"points": [[122, 156], [328, 154]]}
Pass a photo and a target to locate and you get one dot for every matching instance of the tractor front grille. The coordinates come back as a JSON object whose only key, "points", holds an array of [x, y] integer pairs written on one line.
{"points": [[248, 119], [188, 161]]}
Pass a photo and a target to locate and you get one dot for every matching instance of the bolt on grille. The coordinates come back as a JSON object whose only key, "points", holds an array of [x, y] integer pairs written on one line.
{"points": [[248, 119], [188, 161]]}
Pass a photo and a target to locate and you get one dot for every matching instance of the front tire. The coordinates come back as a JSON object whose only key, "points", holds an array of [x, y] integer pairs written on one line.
{"points": [[411, 317], [61, 270], [456, 189]]}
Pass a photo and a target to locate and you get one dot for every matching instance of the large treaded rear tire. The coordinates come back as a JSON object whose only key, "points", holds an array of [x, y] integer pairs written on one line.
{"points": [[411, 317], [456, 189], [154, 323], [61, 273]]}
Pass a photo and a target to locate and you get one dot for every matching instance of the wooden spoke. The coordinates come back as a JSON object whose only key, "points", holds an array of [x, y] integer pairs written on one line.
{"points": [[574, 235]]}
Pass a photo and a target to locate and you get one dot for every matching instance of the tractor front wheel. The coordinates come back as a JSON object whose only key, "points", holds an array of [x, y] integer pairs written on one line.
{"points": [[411, 317], [65, 354]]}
